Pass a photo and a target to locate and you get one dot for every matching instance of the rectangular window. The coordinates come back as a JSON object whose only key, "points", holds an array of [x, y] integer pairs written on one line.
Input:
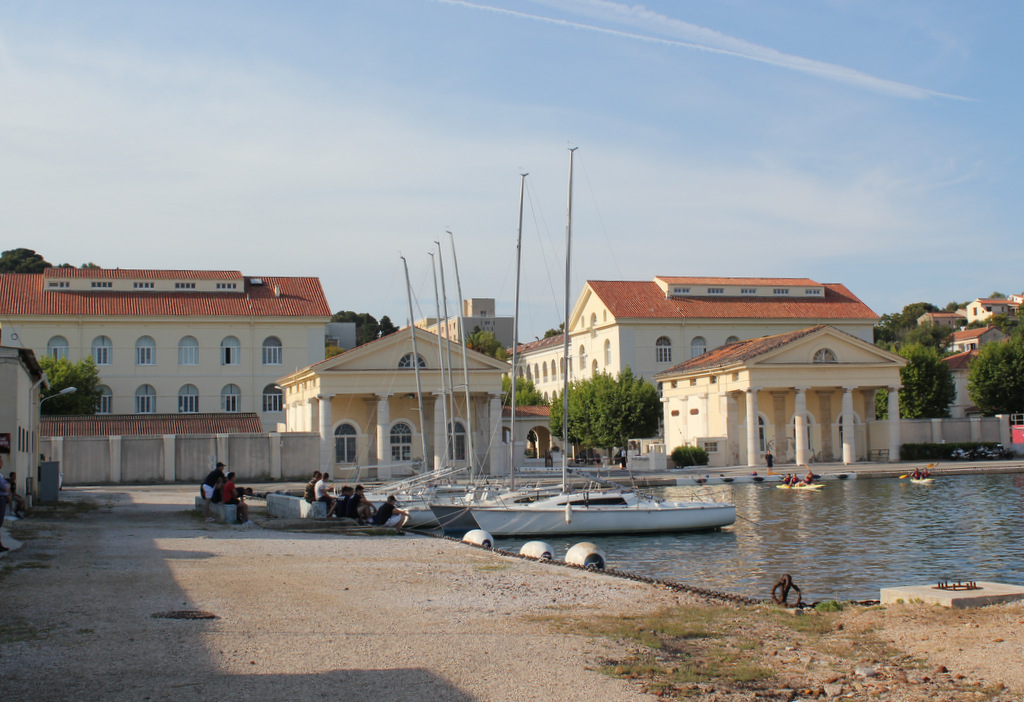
{"points": [[143, 404], [226, 286], [812, 291], [143, 355], [230, 403], [184, 286], [711, 446], [272, 402], [188, 403], [748, 291], [188, 355], [716, 291], [101, 355], [106, 403], [58, 284], [781, 291], [271, 355], [102, 284], [142, 286]]}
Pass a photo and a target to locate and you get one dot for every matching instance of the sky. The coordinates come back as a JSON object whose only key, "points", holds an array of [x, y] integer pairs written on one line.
{"points": [[874, 143]]}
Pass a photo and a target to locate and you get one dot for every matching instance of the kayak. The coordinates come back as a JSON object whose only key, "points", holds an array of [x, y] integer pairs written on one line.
{"points": [[812, 486], [923, 481]]}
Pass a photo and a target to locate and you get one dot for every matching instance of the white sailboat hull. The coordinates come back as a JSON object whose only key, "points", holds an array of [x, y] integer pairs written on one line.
{"points": [[640, 518]]}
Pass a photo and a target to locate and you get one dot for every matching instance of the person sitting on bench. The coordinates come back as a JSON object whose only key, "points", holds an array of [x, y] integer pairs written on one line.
{"points": [[389, 515]]}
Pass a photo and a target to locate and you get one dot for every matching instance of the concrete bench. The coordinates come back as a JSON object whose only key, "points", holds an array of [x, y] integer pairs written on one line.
{"points": [[220, 511], [292, 507]]}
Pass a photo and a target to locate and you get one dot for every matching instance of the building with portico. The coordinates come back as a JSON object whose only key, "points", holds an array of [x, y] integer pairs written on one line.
{"points": [[374, 411], [808, 395]]}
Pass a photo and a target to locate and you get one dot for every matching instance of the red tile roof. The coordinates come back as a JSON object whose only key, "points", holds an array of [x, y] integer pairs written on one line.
{"points": [[527, 411], [960, 361], [739, 352], [557, 340], [140, 274], [638, 299], [150, 424], [968, 334], [24, 294], [697, 280]]}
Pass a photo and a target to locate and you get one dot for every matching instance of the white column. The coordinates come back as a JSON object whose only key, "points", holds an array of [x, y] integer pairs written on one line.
{"points": [[494, 461], [752, 444], [849, 430], [894, 425], [800, 424], [383, 420], [326, 448], [440, 444]]}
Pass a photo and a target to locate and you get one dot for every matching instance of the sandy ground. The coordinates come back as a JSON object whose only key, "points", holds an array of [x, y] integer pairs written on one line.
{"points": [[301, 616]]}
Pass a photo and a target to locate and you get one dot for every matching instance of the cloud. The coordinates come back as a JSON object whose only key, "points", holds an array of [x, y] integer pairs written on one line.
{"points": [[684, 34]]}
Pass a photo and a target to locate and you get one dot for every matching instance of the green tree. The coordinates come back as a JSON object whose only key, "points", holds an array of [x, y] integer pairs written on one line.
{"points": [[23, 261], [891, 328], [995, 378], [1004, 323], [484, 342], [554, 332], [935, 336], [367, 327], [82, 376], [605, 412], [386, 326], [928, 387], [526, 393]]}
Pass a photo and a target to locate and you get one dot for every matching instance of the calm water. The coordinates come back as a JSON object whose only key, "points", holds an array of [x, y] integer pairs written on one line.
{"points": [[845, 541]]}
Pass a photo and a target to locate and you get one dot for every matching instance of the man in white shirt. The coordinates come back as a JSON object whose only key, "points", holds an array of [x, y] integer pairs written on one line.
{"points": [[320, 492]]}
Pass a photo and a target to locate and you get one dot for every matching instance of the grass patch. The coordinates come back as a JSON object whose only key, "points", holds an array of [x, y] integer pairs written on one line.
{"points": [[33, 564], [493, 567], [64, 510], [12, 632]]}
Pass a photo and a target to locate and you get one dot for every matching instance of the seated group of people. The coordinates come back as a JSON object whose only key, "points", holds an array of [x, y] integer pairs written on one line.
{"points": [[791, 479], [218, 487], [920, 474], [352, 503]]}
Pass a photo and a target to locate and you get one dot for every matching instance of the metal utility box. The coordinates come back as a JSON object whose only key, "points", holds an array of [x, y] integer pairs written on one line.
{"points": [[49, 481]]}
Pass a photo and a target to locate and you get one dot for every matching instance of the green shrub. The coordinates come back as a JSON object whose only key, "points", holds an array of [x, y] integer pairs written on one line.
{"points": [[939, 452], [683, 456]]}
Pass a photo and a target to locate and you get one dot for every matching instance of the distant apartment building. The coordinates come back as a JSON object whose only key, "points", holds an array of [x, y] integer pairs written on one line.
{"points": [[172, 341], [477, 313], [950, 320]]}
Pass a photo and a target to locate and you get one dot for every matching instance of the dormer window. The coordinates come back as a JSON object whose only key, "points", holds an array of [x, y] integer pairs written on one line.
{"points": [[184, 286], [716, 291], [780, 291], [812, 291], [102, 284], [748, 291], [142, 286]]}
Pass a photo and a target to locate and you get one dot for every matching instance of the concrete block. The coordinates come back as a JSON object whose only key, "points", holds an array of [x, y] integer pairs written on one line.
{"points": [[219, 511], [986, 594]]}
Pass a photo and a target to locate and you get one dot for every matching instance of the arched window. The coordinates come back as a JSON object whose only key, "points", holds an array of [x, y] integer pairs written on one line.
{"points": [[188, 399], [102, 350], [761, 443], [698, 347], [607, 352], [545, 367], [663, 349], [406, 361], [583, 357], [561, 368], [188, 351], [145, 400], [145, 351], [230, 351], [593, 368], [272, 351], [824, 356], [272, 399], [106, 400], [345, 444], [458, 435], [733, 340], [593, 324], [536, 372], [401, 442], [57, 348], [229, 396]]}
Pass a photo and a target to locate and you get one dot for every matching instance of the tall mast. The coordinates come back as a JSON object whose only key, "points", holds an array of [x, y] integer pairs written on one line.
{"points": [[440, 357], [416, 364], [450, 427], [565, 333], [470, 456], [515, 338]]}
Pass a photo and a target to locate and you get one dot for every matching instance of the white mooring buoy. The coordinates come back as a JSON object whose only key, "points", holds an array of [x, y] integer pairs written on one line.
{"points": [[479, 537], [587, 555], [537, 549]]}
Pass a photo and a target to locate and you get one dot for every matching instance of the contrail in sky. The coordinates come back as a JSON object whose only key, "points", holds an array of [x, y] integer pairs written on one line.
{"points": [[691, 36]]}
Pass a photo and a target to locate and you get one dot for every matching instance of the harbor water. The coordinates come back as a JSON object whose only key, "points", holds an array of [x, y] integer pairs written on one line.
{"points": [[845, 541]]}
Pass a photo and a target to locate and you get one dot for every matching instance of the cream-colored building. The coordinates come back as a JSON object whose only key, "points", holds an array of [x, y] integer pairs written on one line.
{"points": [[651, 326], [974, 339], [366, 406], [171, 341], [21, 380], [477, 313], [983, 308], [808, 395]]}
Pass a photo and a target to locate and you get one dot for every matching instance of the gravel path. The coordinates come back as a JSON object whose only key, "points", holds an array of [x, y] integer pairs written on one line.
{"points": [[299, 616]]}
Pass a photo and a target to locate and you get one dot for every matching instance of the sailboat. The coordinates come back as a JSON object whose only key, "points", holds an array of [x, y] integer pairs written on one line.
{"points": [[604, 511]]}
